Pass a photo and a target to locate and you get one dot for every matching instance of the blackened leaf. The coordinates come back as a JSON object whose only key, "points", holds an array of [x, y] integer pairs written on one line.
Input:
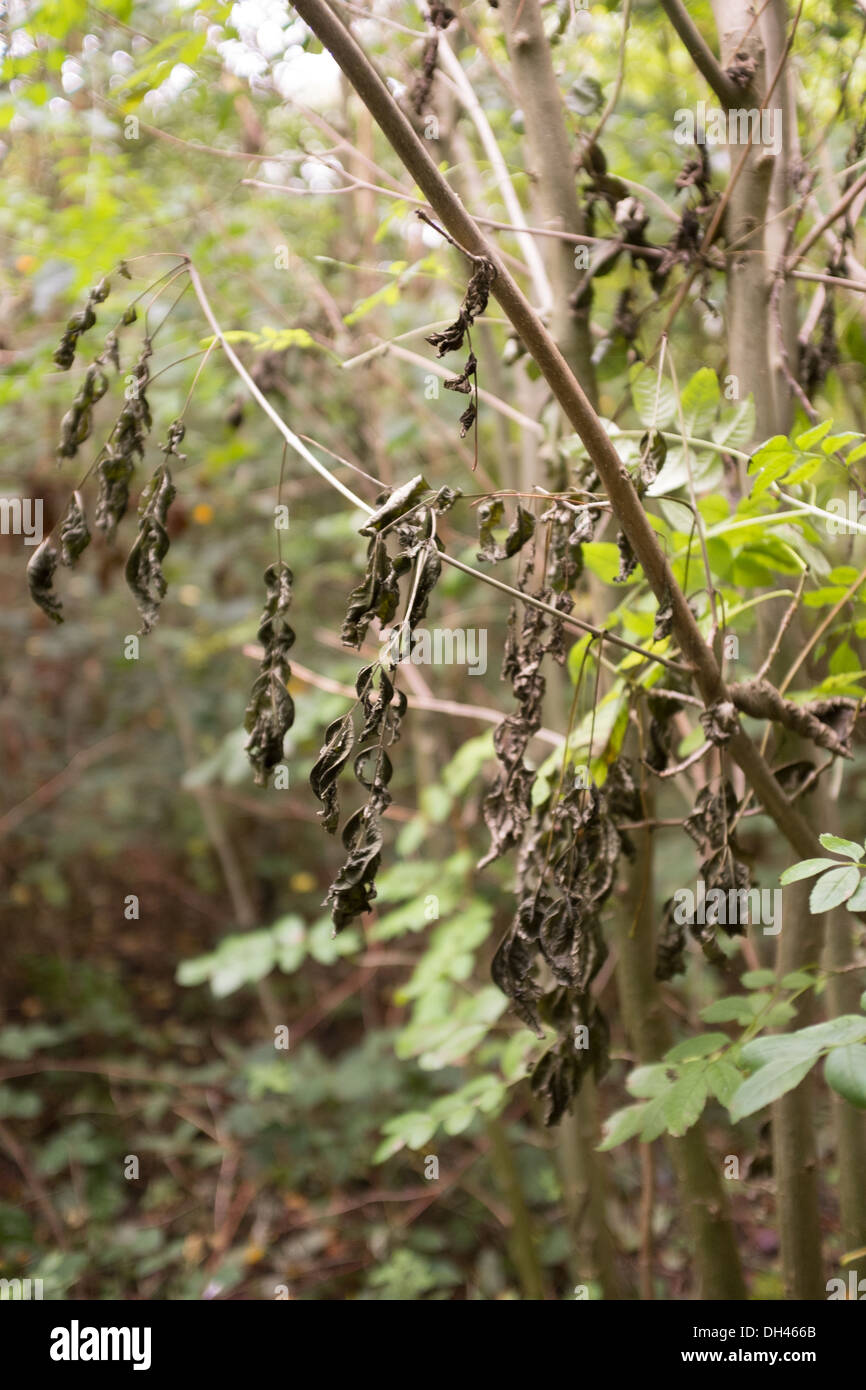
{"points": [[664, 618], [339, 741], [40, 578], [445, 499], [464, 382], [271, 710], [467, 419], [720, 722], [627, 559], [402, 500], [521, 530], [489, 519], [512, 967], [114, 472], [671, 945], [77, 423], [74, 535], [428, 576], [353, 890], [144, 567], [653, 452], [474, 304], [556, 1080], [376, 596]]}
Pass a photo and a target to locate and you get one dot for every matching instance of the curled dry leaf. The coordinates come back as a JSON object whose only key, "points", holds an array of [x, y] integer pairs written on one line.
{"points": [[271, 709]]}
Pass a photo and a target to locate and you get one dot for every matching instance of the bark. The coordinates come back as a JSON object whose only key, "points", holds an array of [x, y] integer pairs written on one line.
{"points": [[774, 26], [794, 1149], [521, 1241], [749, 279], [698, 1171], [554, 174]]}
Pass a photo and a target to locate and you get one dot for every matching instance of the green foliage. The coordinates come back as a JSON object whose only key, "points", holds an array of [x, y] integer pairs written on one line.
{"points": [[837, 884]]}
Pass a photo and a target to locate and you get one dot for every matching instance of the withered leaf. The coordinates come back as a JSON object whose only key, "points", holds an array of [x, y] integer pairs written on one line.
{"points": [[627, 558], [144, 566], [40, 579], [397, 503], [271, 710], [74, 535], [339, 742]]}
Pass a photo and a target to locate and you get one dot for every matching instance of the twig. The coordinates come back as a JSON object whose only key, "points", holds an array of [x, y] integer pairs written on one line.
{"points": [[783, 628], [454, 68]]}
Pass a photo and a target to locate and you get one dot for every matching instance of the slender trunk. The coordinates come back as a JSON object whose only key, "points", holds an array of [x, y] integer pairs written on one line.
{"points": [[698, 1171], [584, 1191], [794, 1149], [554, 174], [755, 358], [748, 277], [783, 332], [521, 1239]]}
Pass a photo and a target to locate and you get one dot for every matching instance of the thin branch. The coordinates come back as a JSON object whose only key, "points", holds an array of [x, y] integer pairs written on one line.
{"points": [[783, 628], [300, 448], [832, 216], [454, 68], [701, 54]]}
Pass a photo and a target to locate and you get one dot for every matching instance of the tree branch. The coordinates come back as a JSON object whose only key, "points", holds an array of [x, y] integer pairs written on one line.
{"points": [[571, 397], [701, 54]]}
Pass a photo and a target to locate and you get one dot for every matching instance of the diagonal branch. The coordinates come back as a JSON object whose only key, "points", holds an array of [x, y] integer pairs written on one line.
{"points": [[701, 54]]}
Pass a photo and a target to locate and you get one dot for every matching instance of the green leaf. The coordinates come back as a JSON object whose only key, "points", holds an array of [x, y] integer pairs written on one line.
{"points": [[723, 1080], [840, 846], [797, 979], [775, 450], [836, 1032], [761, 1052], [646, 390], [833, 442], [701, 1046], [416, 1127], [768, 1084], [857, 901], [812, 436], [700, 402], [685, 1100], [648, 1081], [758, 979], [807, 868], [736, 428], [833, 888], [845, 1071], [732, 1009], [622, 1125], [515, 1061]]}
